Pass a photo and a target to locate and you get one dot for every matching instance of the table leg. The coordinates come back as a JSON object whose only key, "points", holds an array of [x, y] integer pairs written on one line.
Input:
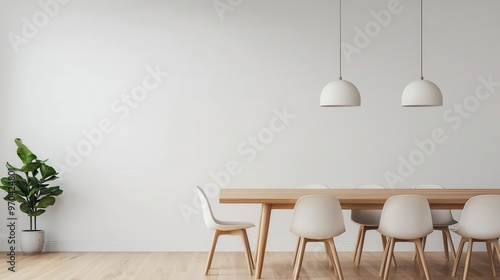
{"points": [[258, 236], [263, 230]]}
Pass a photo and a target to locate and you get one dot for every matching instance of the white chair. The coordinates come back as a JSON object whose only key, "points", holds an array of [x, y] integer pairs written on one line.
{"points": [[480, 222], [317, 218], [310, 186], [367, 220], [224, 228], [441, 220], [405, 218]]}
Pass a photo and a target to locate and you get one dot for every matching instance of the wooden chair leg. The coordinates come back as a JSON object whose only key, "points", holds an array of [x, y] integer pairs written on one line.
{"points": [[415, 253], [467, 259], [296, 252], [384, 258], [329, 255], [356, 250], [361, 243], [450, 241], [419, 261], [389, 257], [459, 255], [248, 252], [496, 248], [445, 230], [336, 259], [423, 262], [300, 257], [384, 242], [445, 245], [212, 250], [490, 257]]}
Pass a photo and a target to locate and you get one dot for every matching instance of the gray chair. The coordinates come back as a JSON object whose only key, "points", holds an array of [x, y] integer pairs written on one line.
{"points": [[367, 220]]}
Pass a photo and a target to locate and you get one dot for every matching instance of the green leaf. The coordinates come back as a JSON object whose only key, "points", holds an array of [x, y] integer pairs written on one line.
{"points": [[24, 207], [5, 181], [33, 181], [10, 167], [21, 185], [20, 199], [51, 178], [32, 193], [23, 152], [46, 202], [37, 213], [47, 171], [53, 191], [31, 167], [7, 197]]}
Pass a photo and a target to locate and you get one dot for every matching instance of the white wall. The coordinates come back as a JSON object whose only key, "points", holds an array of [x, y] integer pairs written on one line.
{"points": [[224, 77]]}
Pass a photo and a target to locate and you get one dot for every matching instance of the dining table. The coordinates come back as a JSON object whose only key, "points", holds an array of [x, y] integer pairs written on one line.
{"points": [[349, 198]]}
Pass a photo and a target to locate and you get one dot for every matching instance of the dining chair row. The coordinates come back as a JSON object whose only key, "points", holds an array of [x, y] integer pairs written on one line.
{"points": [[404, 218], [370, 219]]}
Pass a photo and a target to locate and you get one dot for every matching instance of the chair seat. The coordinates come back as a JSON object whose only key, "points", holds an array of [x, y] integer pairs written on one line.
{"points": [[233, 225], [445, 224]]}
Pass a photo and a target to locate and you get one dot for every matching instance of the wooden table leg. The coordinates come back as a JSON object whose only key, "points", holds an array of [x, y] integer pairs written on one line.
{"points": [[263, 230], [258, 237]]}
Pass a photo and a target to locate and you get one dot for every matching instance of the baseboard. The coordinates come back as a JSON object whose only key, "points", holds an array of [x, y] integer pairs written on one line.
{"points": [[56, 246]]}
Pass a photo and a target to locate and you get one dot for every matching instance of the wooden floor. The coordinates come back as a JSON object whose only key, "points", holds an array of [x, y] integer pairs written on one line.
{"points": [[187, 266]]}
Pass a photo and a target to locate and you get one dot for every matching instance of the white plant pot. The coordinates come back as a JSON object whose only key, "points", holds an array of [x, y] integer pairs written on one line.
{"points": [[32, 241]]}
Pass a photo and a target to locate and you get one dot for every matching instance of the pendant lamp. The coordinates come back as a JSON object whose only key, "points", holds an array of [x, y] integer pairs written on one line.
{"points": [[340, 93], [421, 93]]}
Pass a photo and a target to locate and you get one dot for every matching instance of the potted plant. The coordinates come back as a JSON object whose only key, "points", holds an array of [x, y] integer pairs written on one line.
{"points": [[29, 185]]}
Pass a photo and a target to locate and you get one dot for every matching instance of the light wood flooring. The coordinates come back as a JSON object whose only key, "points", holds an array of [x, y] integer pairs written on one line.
{"points": [[188, 266]]}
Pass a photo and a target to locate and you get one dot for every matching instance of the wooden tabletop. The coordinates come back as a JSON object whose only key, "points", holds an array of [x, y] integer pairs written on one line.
{"points": [[352, 198]]}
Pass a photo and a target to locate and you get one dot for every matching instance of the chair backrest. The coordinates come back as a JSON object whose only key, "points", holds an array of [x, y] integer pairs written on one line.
{"points": [[439, 217], [313, 186], [481, 217], [317, 217], [367, 217], [210, 221], [406, 217]]}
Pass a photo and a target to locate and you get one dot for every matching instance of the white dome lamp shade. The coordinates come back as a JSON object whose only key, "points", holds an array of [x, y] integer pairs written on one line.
{"points": [[340, 93], [421, 93]]}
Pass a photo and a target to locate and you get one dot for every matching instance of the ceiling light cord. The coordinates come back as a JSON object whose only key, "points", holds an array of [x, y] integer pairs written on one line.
{"points": [[340, 93], [340, 40], [421, 93], [421, 40]]}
